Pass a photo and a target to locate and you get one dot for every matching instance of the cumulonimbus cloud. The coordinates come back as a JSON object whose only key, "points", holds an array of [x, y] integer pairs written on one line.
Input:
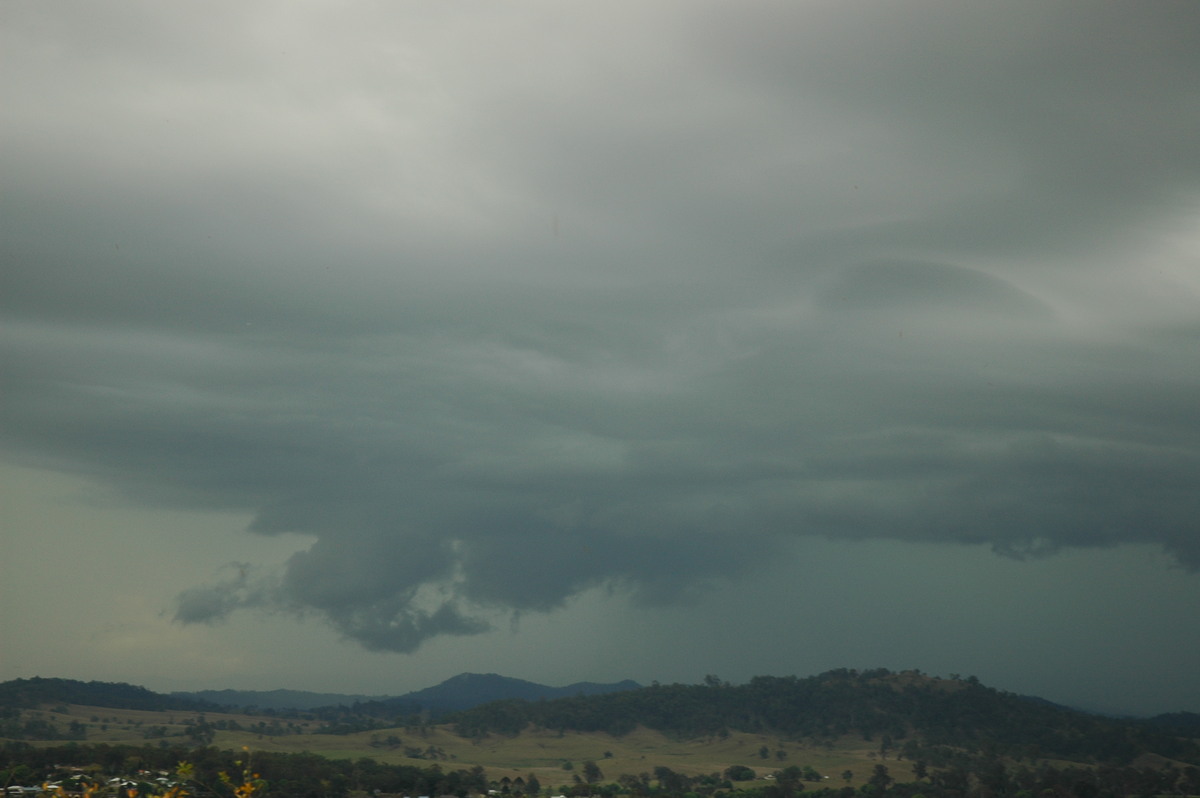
{"points": [[492, 337]]}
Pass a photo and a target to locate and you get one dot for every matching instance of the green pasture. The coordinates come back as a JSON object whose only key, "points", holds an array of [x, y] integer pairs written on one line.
{"points": [[554, 757]]}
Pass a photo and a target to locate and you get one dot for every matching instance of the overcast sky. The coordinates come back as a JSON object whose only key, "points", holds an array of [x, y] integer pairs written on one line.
{"points": [[352, 346]]}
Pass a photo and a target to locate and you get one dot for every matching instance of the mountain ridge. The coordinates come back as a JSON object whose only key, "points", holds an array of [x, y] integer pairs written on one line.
{"points": [[454, 694], [280, 698], [906, 709], [468, 690]]}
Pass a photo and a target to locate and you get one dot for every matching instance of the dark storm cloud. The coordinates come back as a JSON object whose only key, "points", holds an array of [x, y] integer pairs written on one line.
{"points": [[496, 319]]}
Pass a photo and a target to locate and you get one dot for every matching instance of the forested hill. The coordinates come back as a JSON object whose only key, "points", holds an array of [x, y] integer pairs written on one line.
{"points": [[907, 713], [1184, 724], [118, 695]]}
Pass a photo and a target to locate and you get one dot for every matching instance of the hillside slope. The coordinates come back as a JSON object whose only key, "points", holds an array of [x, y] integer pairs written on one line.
{"points": [[119, 695], [908, 712]]}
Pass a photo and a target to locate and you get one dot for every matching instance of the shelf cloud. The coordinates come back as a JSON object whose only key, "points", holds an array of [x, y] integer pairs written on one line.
{"points": [[496, 307]]}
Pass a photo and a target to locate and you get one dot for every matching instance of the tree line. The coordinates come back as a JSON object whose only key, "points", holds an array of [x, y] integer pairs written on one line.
{"points": [[285, 775]]}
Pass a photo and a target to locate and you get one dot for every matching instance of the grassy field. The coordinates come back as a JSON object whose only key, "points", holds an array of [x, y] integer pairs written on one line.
{"points": [[553, 757]]}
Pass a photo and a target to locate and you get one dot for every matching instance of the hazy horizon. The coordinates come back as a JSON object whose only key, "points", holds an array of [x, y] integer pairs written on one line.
{"points": [[201, 691]]}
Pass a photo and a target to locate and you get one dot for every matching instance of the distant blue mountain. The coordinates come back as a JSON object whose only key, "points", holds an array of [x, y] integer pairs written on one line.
{"points": [[460, 692], [276, 699], [469, 690]]}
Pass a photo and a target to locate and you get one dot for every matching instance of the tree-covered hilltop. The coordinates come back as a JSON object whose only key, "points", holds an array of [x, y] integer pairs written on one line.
{"points": [[1183, 724], [117, 695], [906, 713]]}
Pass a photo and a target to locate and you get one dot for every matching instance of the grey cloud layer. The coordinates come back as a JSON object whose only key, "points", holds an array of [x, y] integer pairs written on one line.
{"points": [[499, 308]]}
